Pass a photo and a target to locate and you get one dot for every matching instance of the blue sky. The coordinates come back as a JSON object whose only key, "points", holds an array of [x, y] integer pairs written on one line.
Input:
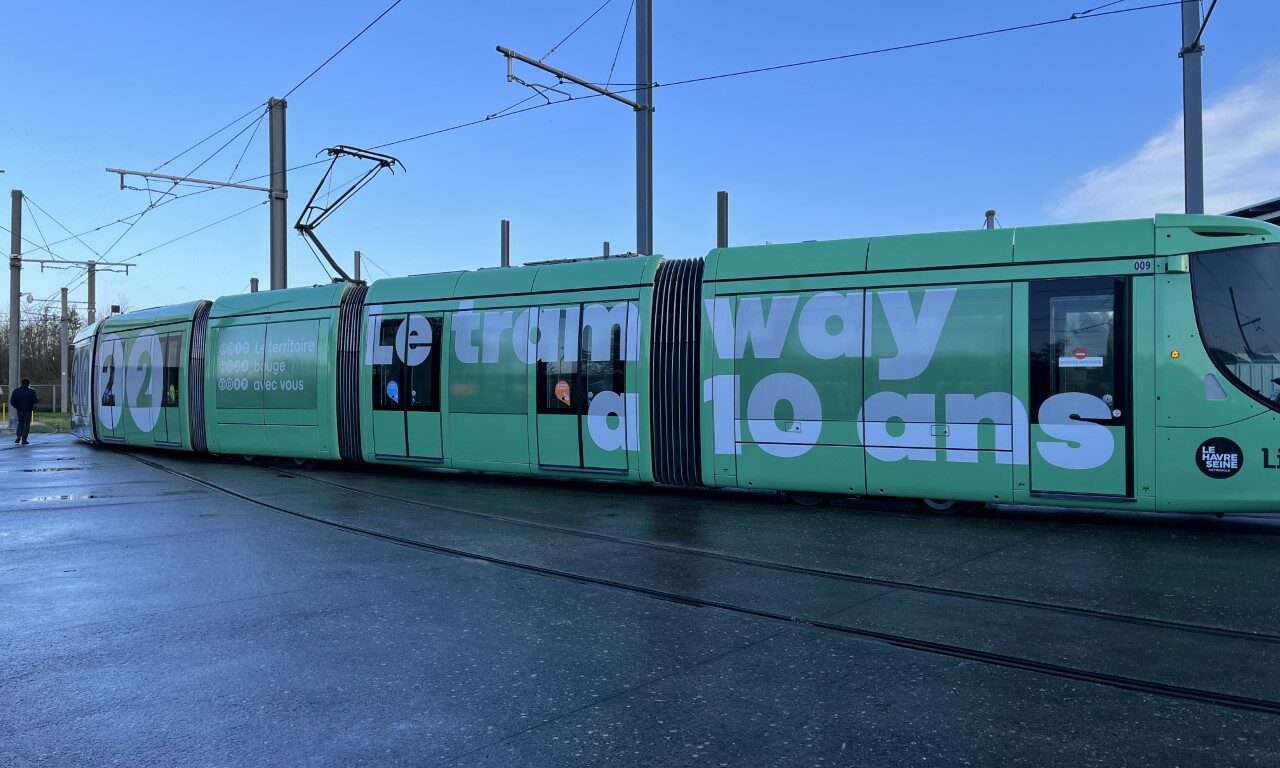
{"points": [[1069, 122]]}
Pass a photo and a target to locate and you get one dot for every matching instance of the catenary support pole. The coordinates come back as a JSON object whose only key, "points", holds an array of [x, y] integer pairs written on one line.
{"points": [[722, 219], [64, 332], [644, 127], [356, 272], [990, 222], [15, 295], [506, 243], [1192, 108], [91, 269], [253, 285], [279, 197]]}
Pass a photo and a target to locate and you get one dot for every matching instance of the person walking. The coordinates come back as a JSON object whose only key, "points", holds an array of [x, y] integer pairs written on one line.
{"points": [[24, 400]]}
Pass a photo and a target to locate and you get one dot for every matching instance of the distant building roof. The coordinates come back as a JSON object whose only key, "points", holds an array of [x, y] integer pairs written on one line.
{"points": [[1268, 211]]}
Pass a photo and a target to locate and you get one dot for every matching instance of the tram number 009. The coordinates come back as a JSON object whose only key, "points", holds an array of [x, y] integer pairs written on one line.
{"points": [[1143, 265]]}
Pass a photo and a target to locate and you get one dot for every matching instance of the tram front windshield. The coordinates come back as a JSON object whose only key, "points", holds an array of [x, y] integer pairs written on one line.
{"points": [[1237, 298]]}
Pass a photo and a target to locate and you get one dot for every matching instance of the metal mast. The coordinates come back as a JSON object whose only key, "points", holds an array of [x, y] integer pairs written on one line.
{"points": [[15, 294], [644, 127], [1192, 106], [279, 197]]}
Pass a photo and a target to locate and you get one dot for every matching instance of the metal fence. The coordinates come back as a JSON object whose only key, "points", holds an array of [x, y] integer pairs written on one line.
{"points": [[49, 395]]}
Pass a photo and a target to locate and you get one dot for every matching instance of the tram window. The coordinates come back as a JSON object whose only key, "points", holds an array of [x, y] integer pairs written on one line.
{"points": [[607, 375], [558, 379], [171, 351], [557, 386], [388, 378], [1082, 344], [1077, 340], [1237, 301], [424, 378]]}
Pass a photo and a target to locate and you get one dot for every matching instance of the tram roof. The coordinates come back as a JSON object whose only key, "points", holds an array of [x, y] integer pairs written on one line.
{"points": [[286, 300], [1165, 234], [544, 277], [142, 318]]}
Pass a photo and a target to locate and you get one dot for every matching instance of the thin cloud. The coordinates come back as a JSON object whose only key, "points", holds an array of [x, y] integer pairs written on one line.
{"points": [[1241, 163]]}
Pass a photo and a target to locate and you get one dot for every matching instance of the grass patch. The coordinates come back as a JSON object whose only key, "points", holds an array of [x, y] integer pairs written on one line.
{"points": [[51, 422]]}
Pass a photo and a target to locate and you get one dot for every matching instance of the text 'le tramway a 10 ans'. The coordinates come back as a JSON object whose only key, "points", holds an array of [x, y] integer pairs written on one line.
{"points": [[1131, 364]]}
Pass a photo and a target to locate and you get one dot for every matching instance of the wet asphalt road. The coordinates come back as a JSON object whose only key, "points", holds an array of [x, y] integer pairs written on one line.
{"points": [[148, 620]]}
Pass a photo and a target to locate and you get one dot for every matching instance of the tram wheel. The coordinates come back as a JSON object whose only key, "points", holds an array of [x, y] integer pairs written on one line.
{"points": [[249, 459], [806, 499], [303, 463], [944, 506]]}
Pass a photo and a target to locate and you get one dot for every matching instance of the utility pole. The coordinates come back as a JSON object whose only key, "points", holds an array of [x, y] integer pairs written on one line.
{"points": [[990, 222], [1192, 107], [63, 334], [277, 193], [356, 272], [15, 295], [506, 243], [279, 196], [91, 268], [642, 105], [644, 127], [722, 219], [253, 285]]}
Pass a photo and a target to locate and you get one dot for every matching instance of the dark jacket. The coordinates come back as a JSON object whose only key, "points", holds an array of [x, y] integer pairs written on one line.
{"points": [[24, 399]]}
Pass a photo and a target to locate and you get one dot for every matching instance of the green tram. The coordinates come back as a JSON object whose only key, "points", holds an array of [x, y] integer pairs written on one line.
{"points": [[1130, 364]]}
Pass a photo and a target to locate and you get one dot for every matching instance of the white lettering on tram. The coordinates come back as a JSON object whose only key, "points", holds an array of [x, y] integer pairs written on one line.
{"points": [[916, 337], [1078, 444], [783, 410], [144, 378], [816, 335]]}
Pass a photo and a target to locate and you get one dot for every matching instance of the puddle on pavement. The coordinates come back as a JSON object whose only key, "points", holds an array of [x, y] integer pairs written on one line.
{"points": [[68, 497]]}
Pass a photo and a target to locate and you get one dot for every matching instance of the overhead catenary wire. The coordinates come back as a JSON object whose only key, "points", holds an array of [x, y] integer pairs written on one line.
{"points": [[575, 29], [319, 260], [1195, 44], [364, 257], [34, 244], [100, 227], [1079, 14], [154, 204], [255, 108], [34, 220], [622, 36], [789, 65], [1093, 13], [256, 125], [77, 282], [921, 44], [60, 224], [132, 220], [509, 112], [344, 47]]}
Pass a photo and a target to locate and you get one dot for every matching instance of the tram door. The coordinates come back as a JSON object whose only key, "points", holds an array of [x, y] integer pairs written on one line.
{"points": [[108, 391], [581, 387], [1080, 373], [171, 390], [406, 387]]}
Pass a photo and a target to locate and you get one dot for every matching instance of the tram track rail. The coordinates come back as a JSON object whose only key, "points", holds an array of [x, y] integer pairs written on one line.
{"points": [[824, 573], [1122, 682]]}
